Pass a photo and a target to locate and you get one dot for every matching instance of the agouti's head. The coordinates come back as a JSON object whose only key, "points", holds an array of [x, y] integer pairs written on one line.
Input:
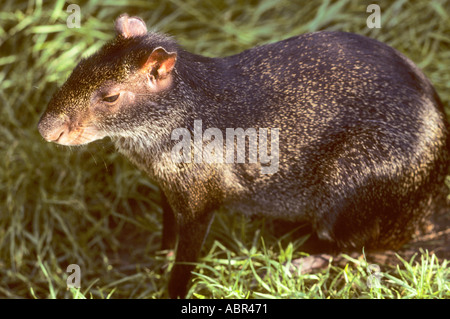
{"points": [[108, 93]]}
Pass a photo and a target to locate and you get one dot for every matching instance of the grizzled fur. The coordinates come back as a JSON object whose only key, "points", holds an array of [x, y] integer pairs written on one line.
{"points": [[363, 150]]}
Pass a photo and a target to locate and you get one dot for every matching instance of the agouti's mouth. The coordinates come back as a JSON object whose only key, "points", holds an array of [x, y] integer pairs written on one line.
{"points": [[77, 140], [59, 137], [74, 137], [80, 136]]}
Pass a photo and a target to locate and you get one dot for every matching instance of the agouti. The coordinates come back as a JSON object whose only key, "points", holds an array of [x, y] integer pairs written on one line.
{"points": [[358, 144]]}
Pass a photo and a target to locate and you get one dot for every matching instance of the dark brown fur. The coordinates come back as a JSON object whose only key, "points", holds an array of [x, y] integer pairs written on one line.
{"points": [[364, 143]]}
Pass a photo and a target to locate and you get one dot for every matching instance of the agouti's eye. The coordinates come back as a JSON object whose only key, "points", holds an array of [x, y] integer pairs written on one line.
{"points": [[111, 98]]}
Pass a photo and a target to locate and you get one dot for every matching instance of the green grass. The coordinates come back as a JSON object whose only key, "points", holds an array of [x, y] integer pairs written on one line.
{"points": [[89, 206]]}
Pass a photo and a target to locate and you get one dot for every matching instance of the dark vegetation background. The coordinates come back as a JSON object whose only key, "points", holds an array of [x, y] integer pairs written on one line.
{"points": [[89, 206]]}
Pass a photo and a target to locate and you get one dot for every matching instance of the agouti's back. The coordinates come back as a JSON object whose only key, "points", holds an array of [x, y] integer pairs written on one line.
{"points": [[363, 143], [358, 140]]}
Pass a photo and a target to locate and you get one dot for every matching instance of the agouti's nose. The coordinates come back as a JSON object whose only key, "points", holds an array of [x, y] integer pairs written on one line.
{"points": [[53, 130]]}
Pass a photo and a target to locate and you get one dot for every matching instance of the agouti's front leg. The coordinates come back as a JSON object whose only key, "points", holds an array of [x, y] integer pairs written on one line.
{"points": [[191, 236], [169, 231]]}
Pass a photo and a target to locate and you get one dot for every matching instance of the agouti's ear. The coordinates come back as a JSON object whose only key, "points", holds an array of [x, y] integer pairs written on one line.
{"points": [[160, 63], [128, 27]]}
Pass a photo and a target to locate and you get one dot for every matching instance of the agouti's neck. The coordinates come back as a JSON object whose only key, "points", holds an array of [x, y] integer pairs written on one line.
{"points": [[213, 87], [220, 90], [204, 77]]}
